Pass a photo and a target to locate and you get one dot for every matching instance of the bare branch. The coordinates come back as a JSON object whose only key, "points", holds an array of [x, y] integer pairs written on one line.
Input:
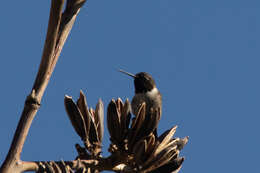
{"points": [[58, 29], [44, 72], [112, 163]]}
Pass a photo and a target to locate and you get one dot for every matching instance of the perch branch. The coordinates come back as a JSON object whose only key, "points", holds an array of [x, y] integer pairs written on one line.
{"points": [[111, 163]]}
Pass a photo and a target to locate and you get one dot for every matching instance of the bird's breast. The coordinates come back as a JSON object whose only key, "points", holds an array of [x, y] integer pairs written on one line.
{"points": [[151, 98]]}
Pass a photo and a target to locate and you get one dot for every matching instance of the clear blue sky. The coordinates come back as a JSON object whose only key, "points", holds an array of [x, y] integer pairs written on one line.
{"points": [[204, 56]]}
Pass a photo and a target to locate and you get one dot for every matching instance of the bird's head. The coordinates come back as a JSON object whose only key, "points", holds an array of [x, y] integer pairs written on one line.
{"points": [[143, 81]]}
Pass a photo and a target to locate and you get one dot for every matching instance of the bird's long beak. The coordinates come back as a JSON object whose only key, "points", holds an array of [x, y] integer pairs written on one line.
{"points": [[129, 74]]}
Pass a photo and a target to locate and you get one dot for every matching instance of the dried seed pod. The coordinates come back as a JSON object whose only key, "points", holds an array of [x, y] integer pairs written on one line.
{"points": [[137, 122], [182, 142], [56, 167], [75, 117], [161, 158], [151, 144], [118, 119], [119, 104], [172, 167], [99, 117], [165, 138], [151, 153], [143, 149], [87, 123], [136, 125], [83, 107], [139, 150], [113, 121], [143, 124], [126, 115], [93, 132], [146, 152]]}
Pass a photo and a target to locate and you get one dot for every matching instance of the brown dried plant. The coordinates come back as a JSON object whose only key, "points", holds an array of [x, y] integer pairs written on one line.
{"points": [[133, 148]]}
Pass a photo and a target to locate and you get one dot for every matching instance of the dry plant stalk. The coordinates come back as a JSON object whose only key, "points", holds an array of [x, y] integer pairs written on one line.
{"points": [[133, 148], [59, 27]]}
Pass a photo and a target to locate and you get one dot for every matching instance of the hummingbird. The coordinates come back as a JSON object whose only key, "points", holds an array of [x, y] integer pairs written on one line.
{"points": [[145, 91]]}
